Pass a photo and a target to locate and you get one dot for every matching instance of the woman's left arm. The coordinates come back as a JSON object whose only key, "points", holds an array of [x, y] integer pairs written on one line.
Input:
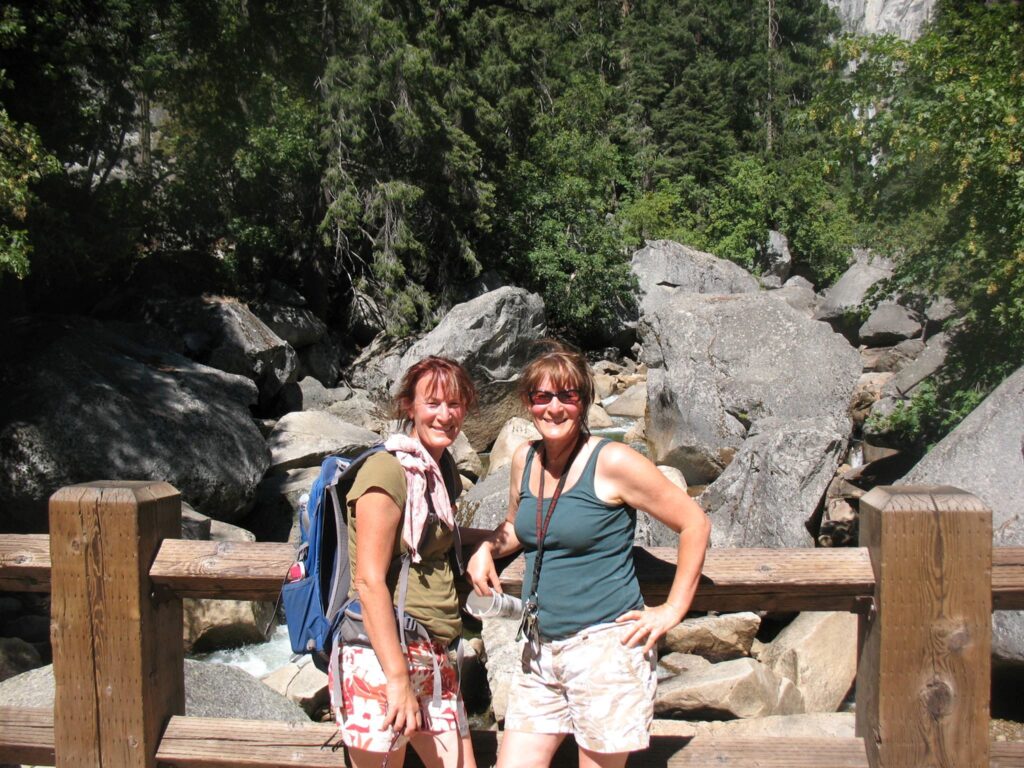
{"points": [[628, 477]]}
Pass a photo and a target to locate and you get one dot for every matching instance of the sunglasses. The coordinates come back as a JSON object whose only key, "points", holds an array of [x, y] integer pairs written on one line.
{"points": [[565, 396]]}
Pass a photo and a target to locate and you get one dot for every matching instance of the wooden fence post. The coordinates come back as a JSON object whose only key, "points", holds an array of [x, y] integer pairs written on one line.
{"points": [[923, 677], [117, 644]]}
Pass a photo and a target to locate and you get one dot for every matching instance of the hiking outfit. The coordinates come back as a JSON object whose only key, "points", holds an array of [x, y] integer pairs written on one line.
{"points": [[430, 599], [581, 679]]}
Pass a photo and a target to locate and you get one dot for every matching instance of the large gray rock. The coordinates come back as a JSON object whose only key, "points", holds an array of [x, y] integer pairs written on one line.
{"points": [[924, 366], [275, 515], [296, 325], [844, 298], [669, 264], [224, 334], [902, 18], [891, 359], [818, 652], [503, 655], [17, 656], [301, 682], [515, 432], [984, 455], [719, 364], [309, 394], [631, 403], [211, 690], [365, 320], [889, 323], [361, 410], [739, 688], [800, 297], [81, 401], [715, 638], [492, 335], [305, 438], [774, 485], [321, 360], [486, 503], [212, 625], [467, 461], [780, 260]]}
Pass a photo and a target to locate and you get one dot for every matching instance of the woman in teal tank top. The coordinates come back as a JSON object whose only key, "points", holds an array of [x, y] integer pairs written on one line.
{"points": [[588, 665]]}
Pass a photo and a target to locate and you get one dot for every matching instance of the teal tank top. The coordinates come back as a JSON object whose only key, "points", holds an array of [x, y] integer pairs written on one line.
{"points": [[587, 576]]}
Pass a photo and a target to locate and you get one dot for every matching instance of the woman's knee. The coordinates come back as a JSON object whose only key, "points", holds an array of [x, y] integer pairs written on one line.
{"points": [[528, 750], [443, 750]]}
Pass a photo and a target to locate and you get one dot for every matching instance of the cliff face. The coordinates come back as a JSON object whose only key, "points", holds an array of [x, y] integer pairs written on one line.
{"points": [[903, 18]]}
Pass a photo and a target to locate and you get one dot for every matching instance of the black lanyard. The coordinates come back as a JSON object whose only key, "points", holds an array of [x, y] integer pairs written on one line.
{"points": [[542, 530]]}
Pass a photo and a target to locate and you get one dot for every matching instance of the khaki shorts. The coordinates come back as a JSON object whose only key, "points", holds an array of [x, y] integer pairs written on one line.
{"points": [[589, 685], [360, 712]]}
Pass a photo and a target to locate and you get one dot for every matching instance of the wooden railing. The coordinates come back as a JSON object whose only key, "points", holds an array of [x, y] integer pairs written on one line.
{"points": [[924, 584]]}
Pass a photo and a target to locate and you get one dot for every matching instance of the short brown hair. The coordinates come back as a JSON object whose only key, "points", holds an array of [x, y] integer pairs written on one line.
{"points": [[452, 377], [567, 369]]}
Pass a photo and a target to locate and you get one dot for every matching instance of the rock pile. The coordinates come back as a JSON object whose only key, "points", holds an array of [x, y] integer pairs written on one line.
{"points": [[766, 400]]}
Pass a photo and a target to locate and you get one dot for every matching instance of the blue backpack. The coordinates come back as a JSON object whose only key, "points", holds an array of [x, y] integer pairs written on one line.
{"points": [[317, 607], [319, 580]]}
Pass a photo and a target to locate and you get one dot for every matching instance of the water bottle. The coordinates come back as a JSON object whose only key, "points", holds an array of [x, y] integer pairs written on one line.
{"points": [[496, 605]]}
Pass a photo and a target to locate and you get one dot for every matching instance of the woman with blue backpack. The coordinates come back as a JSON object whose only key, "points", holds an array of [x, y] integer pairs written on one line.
{"points": [[402, 687], [588, 664]]}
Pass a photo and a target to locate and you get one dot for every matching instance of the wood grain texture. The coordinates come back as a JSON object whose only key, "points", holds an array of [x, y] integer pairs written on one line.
{"points": [[118, 658], [924, 673], [26, 736], [25, 562], [243, 571]]}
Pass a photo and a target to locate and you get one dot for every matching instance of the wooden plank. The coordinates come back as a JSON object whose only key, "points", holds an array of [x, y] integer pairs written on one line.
{"points": [[73, 530], [25, 562], [1008, 578], [207, 743], [923, 682], [733, 579], [767, 752], [117, 644], [193, 742], [26, 736], [244, 571], [1006, 754]]}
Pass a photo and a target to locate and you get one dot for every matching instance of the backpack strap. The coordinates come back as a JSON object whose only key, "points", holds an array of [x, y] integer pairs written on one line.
{"points": [[453, 485], [336, 474]]}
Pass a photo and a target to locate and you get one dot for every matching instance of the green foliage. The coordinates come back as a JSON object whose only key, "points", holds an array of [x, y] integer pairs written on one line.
{"points": [[401, 146], [933, 131], [917, 424], [22, 163], [407, 196], [242, 135], [671, 211]]}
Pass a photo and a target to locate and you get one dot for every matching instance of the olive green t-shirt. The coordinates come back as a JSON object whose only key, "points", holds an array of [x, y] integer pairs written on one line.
{"points": [[431, 597]]}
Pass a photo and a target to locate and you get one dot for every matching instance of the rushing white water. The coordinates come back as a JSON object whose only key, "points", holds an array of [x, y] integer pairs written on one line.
{"points": [[257, 659]]}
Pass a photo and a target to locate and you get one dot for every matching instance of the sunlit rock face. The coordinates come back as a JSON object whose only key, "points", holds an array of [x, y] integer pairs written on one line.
{"points": [[903, 18]]}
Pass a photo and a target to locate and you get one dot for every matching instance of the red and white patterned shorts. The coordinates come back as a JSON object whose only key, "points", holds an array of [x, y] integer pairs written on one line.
{"points": [[360, 713]]}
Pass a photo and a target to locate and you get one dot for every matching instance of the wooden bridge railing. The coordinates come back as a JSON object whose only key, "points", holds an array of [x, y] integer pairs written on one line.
{"points": [[924, 583]]}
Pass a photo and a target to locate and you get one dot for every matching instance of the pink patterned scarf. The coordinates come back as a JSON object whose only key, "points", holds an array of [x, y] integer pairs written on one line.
{"points": [[418, 466]]}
